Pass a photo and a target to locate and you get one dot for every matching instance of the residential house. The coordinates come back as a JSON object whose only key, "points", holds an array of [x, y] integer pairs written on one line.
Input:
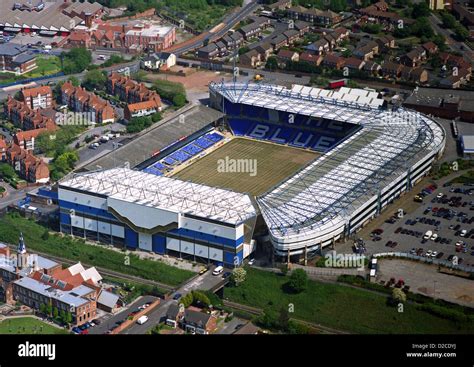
{"points": [[353, 63], [3, 149], [140, 109], [414, 57], [391, 69], [333, 61], [302, 27], [278, 41], [341, 34], [131, 91], [366, 50], [372, 68], [285, 56], [26, 118], [292, 36], [265, 50], [173, 316], [37, 97], [419, 75], [157, 61], [430, 47], [311, 58], [196, 322], [250, 30], [208, 52], [315, 16], [386, 42], [233, 41], [251, 58], [27, 139], [279, 5], [319, 47], [80, 100]]}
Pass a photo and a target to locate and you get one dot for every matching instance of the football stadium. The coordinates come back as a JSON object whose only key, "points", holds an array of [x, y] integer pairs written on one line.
{"points": [[310, 166]]}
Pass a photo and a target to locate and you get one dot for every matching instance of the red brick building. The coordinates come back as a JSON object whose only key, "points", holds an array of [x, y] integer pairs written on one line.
{"points": [[38, 97]]}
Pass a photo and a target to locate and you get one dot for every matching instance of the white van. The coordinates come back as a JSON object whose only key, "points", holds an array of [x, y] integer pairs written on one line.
{"points": [[142, 320], [427, 235], [218, 270]]}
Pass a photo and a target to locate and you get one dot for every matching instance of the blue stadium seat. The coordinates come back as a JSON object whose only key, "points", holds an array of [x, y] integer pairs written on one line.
{"points": [[192, 149], [159, 166], [170, 161], [180, 156], [203, 142], [215, 137]]}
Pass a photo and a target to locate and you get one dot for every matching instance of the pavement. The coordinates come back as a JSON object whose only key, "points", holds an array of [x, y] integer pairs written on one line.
{"points": [[157, 315]]}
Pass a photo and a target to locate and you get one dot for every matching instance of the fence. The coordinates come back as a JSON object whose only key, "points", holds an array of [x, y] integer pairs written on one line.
{"points": [[30, 80], [426, 260]]}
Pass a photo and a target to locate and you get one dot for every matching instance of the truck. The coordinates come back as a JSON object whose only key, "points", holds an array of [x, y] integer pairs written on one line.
{"points": [[333, 84]]}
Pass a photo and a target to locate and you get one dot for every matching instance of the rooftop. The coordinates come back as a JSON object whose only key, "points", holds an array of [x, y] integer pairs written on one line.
{"points": [[165, 193]]}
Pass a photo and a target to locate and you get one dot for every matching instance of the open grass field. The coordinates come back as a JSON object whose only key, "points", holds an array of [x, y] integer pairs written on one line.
{"points": [[340, 307], [28, 325], [77, 250], [273, 164]]}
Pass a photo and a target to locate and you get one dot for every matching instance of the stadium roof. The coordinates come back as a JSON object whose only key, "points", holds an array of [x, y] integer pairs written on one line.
{"points": [[160, 136], [332, 188], [166, 193]]}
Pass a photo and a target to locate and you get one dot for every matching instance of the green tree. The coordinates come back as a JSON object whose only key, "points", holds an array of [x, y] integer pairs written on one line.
{"points": [[68, 317], [55, 312], [398, 295], [156, 117], [7, 172], [284, 319], [200, 299], [420, 9], [272, 63], [187, 300], [76, 60], [238, 276], [179, 100], [298, 280], [95, 79]]}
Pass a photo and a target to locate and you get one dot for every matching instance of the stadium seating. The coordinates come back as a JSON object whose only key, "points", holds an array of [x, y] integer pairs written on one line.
{"points": [[180, 156], [203, 142], [215, 137], [159, 166], [192, 149], [170, 161]]}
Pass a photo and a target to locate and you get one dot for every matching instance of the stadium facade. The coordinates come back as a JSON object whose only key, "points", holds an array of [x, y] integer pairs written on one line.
{"points": [[140, 210], [371, 156]]}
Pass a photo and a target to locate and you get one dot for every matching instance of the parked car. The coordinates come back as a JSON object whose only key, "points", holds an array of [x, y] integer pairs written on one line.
{"points": [[177, 296]]}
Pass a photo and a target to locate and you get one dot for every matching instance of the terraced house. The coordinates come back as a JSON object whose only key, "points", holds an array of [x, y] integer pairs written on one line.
{"points": [[80, 100], [141, 100]]}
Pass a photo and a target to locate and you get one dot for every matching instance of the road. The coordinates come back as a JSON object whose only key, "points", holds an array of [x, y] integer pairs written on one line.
{"points": [[133, 65], [229, 22], [452, 44], [110, 321], [202, 282]]}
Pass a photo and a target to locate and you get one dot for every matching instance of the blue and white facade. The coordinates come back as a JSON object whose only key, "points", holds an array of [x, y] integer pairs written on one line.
{"points": [[138, 210], [371, 156]]}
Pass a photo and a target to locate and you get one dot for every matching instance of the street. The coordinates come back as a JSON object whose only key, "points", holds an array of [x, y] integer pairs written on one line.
{"points": [[202, 282]]}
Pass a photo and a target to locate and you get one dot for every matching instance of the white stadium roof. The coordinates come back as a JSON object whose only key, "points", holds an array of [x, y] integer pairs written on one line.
{"points": [[166, 193], [334, 186]]}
